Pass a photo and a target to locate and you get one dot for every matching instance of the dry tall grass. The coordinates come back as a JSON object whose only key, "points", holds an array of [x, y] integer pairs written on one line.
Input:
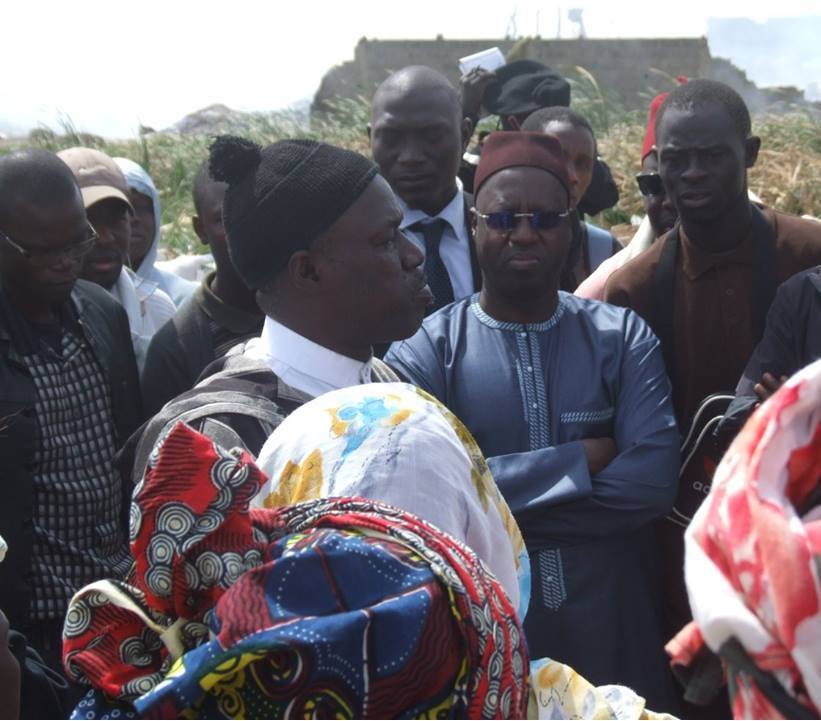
{"points": [[787, 175]]}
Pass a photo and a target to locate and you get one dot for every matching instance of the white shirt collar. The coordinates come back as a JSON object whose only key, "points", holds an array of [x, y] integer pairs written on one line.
{"points": [[125, 292], [453, 213], [303, 364]]}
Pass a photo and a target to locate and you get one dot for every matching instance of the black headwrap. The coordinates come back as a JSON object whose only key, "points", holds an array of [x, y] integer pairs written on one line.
{"points": [[523, 86], [280, 198]]}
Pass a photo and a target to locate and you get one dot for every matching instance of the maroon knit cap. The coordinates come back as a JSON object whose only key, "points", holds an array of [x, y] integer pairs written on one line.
{"points": [[516, 148]]}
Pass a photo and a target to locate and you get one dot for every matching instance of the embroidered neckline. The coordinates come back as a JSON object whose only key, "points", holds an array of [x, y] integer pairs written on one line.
{"points": [[490, 322]]}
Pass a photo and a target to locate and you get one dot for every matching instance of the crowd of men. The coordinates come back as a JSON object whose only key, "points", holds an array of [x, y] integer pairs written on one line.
{"points": [[578, 366]]}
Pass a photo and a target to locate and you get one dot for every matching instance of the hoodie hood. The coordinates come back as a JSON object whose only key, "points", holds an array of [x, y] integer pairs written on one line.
{"points": [[177, 288], [140, 181]]}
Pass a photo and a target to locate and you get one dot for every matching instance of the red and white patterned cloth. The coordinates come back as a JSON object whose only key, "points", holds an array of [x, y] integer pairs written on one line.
{"points": [[753, 563]]}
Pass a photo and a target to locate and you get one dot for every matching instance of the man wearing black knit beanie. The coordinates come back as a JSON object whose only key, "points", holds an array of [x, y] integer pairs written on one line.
{"points": [[314, 230]]}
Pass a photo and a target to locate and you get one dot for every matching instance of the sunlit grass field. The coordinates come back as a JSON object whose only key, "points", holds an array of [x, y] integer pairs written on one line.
{"points": [[787, 176]]}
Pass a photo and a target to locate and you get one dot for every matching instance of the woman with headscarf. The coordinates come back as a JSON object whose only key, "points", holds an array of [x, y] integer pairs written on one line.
{"points": [[753, 562], [338, 607], [334, 606], [394, 443], [145, 234]]}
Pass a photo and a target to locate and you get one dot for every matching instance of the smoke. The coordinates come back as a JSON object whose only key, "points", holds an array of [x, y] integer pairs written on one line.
{"points": [[778, 52]]}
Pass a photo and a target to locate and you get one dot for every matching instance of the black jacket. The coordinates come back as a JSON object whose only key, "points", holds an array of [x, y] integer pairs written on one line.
{"points": [[184, 346], [44, 693], [104, 324], [791, 340]]}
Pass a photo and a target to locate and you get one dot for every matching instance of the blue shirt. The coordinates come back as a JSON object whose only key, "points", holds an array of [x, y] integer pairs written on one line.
{"points": [[530, 393]]}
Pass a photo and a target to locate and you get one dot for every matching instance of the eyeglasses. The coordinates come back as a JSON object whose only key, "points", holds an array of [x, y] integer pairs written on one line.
{"points": [[48, 258], [650, 184], [505, 220]]}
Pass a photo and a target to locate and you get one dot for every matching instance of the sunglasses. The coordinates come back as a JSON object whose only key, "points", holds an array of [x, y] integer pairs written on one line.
{"points": [[650, 184], [505, 220], [50, 258]]}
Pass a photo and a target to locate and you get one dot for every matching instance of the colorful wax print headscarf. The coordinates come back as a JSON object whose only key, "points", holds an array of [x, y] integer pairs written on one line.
{"points": [[346, 608], [753, 559], [395, 443]]}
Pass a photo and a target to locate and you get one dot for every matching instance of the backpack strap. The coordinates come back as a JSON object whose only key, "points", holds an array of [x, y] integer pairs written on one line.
{"points": [[663, 295], [203, 406], [739, 660], [381, 372]]}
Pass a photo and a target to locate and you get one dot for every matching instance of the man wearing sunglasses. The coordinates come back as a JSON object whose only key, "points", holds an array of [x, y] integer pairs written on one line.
{"points": [[69, 396], [570, 403], [660, 215]]}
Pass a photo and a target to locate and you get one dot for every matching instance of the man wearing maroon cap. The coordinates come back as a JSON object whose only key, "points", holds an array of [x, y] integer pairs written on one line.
{"points": [[569, 401]]}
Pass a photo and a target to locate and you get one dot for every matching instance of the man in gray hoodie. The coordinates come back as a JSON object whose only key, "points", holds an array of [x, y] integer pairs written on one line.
{"points": [[145, 234]]}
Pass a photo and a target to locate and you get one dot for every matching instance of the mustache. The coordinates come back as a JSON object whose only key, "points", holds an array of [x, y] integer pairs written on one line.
{"points": [[105, 255]]}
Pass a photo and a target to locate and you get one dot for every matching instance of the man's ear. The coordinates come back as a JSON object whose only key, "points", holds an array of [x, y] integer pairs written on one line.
{"points": [[302, 271], [467, 132], [751, 147], [474, 221], [196, 221]]}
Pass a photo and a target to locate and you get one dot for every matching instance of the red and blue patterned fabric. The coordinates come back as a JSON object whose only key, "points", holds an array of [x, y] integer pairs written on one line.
{"points": [[346, 608]]}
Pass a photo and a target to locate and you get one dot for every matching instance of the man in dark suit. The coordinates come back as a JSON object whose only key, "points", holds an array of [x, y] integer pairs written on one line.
{"points": [[418, 134]]}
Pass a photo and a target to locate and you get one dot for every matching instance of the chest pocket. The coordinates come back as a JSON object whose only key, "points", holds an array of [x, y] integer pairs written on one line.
{"points": [[549, 576], [596, 423]]}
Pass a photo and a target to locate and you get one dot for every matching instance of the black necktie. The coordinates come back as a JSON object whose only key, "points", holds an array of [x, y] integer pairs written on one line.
{"points": [[435, 272]]}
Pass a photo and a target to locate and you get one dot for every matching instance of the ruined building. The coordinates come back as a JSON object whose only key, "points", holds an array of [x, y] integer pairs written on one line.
{"points": [[628, 70]]}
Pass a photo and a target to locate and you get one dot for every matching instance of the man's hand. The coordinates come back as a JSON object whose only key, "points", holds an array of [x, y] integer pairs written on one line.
{"points": [[600, 452], [769, 385], [474, 83]]}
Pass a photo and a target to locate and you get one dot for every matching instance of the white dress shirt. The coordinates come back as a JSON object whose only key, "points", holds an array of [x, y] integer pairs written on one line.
{"points": [[454, 248], [303, 364]]}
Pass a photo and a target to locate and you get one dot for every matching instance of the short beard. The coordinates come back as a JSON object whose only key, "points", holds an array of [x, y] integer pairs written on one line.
{"points": [[519, 293]]}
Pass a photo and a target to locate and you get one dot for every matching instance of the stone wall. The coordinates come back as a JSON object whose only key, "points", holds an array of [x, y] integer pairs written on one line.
{"points": [[627, 69]]}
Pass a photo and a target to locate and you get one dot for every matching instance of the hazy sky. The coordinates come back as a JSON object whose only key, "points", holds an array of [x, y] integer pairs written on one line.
{"points": [[110, 65]]}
